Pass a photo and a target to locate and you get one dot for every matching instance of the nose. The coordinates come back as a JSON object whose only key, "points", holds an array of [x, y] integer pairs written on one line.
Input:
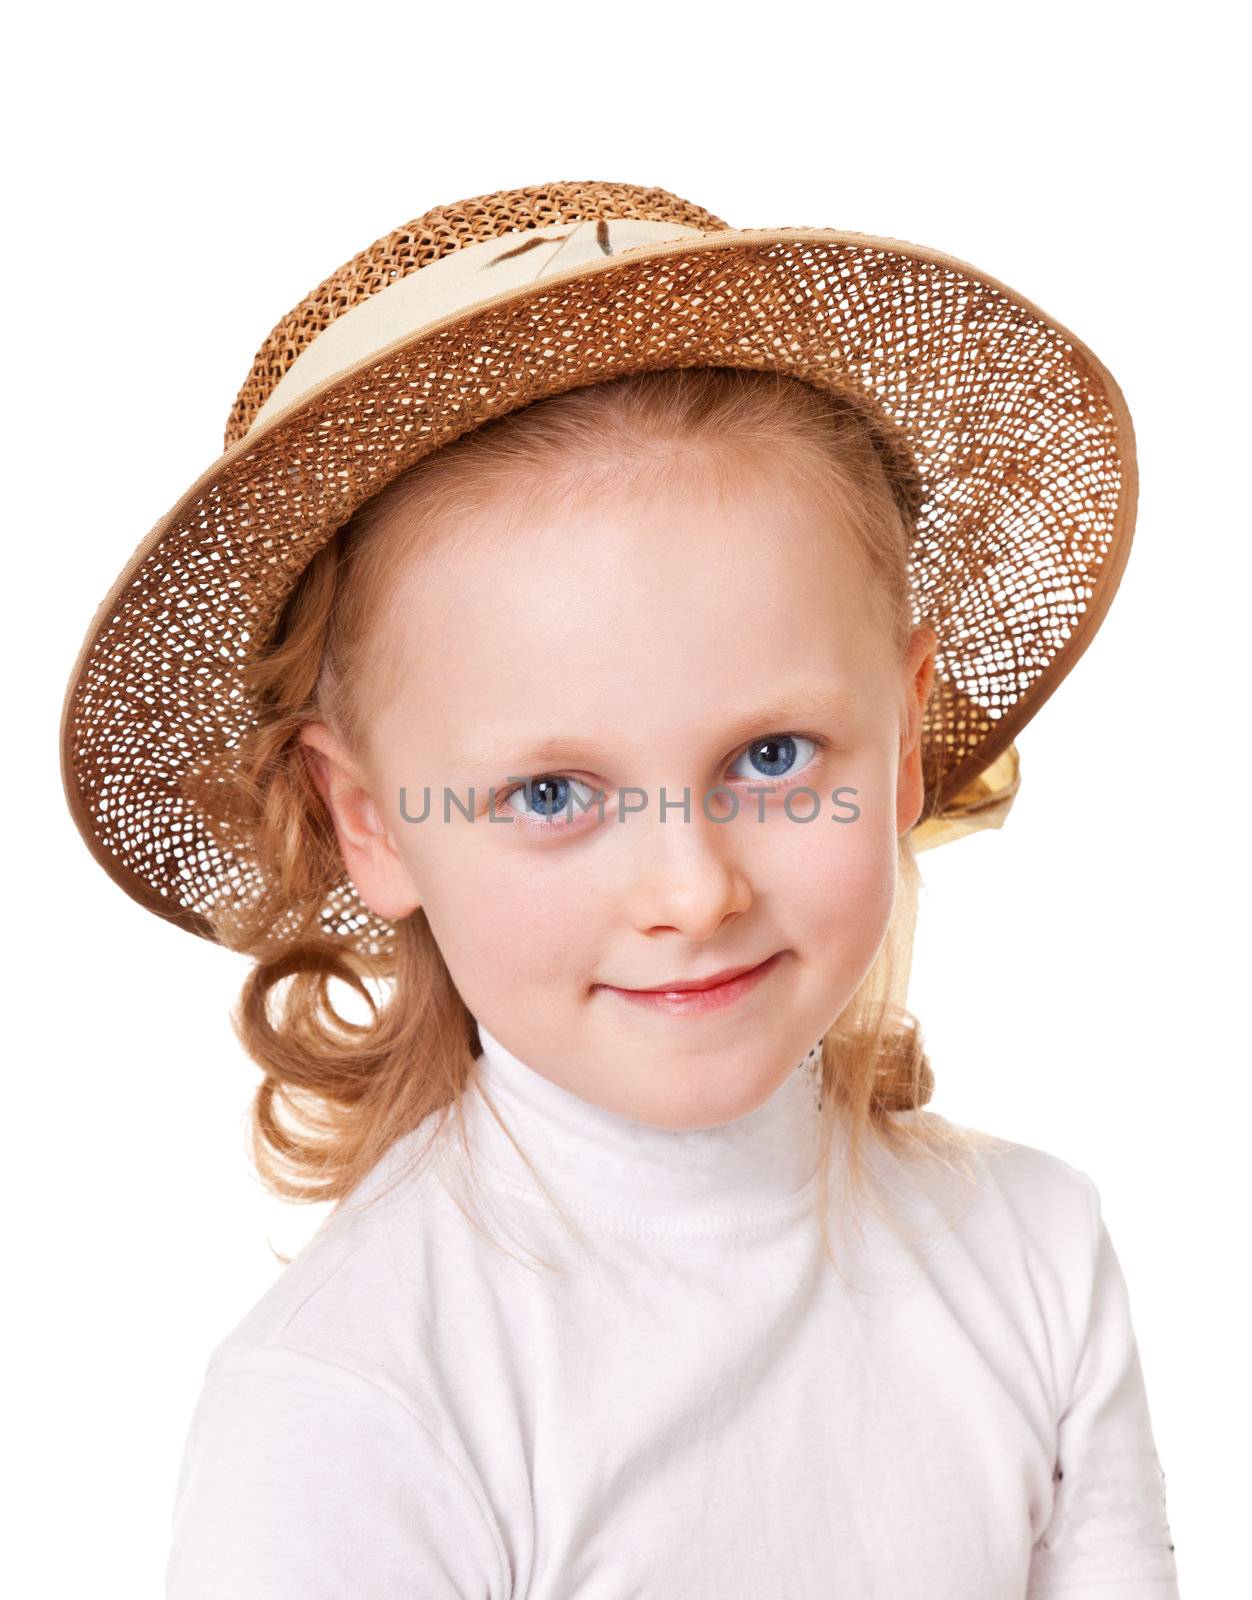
{"points": [[690, 879]]}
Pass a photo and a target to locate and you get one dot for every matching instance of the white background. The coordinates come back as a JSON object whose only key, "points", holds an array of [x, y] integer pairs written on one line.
{"points": [[178, 178]]}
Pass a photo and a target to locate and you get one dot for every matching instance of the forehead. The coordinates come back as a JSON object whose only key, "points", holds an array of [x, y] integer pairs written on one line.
{"points": [[642, 616]]}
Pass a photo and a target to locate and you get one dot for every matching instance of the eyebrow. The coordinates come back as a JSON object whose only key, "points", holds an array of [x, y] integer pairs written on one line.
{"points": [[782, 714]]}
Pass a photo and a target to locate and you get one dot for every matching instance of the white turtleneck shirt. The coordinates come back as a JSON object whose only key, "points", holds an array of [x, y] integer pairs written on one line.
{"points": [[690, 1402]]}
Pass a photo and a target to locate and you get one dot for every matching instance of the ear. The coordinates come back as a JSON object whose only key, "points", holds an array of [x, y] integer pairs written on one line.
{"points": [[919, 673], [369, 857]]}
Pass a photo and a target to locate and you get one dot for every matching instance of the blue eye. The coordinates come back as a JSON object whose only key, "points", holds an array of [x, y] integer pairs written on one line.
{"points": [[554, 799], [775, 756], [550, 796]]}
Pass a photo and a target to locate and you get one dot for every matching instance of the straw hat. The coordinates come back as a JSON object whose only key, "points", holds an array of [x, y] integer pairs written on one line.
{"points": [[1005, 439]]}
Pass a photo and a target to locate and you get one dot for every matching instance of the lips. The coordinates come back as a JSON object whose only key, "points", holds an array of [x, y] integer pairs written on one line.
{"points": [[691, 985]]}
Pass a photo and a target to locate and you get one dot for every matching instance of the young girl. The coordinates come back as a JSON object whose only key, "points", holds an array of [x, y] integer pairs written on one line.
{"points": [[593, 611]]}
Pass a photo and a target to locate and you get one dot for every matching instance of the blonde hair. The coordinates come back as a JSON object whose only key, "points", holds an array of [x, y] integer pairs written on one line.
{"points": [[337, 1094]]}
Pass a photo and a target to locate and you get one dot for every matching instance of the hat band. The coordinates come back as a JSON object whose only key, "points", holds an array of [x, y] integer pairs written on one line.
{"points": [[453, 283]]}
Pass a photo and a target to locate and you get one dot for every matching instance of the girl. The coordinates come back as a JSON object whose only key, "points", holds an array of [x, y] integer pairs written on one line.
{"points": [[593, 611]]}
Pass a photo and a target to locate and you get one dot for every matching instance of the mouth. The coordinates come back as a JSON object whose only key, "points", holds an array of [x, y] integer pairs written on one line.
{"points": [[700, 995]]}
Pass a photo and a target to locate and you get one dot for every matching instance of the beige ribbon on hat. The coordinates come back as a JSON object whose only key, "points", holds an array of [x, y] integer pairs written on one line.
{"points": [[982, 803], [454, 283]]}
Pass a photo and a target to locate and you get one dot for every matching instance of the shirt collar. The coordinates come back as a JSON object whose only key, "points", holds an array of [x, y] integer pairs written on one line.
{"points": [[600, 1161]]}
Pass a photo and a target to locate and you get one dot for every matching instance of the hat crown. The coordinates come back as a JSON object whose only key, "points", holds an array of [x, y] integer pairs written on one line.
{"points": [[434, 236]]}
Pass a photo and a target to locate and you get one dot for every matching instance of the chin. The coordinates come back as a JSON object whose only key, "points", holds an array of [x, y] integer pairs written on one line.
{"points": [[705, 1108]]}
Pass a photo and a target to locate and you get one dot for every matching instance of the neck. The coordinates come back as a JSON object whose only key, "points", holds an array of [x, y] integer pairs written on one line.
{"points": [[598, 1160]]}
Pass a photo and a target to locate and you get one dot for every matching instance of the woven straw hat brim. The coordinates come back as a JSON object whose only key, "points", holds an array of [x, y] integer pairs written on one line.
{"points": [[1026, 494]]}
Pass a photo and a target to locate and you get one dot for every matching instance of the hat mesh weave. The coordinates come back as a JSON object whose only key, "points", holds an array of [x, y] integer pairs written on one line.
{"points": [[435, 234]]}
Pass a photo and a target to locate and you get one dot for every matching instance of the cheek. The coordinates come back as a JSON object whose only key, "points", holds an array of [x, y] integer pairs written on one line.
{"points": [[835, 881], [503, 918]]}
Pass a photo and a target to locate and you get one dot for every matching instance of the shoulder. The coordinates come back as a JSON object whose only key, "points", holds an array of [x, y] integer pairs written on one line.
{"points": [[303, 1474], [1009, 1211], [321, 1447], [1039, 1191], [346, 1296], [1008, 1182], [330, 1443], [1005, 1240]]}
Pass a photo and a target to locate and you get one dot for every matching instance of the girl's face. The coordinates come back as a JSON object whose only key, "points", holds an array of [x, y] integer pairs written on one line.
{"points": [[637, 656]]}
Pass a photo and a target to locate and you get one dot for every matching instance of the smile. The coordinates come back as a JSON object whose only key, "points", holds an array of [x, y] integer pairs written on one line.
{"points": [[700, 996]]}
